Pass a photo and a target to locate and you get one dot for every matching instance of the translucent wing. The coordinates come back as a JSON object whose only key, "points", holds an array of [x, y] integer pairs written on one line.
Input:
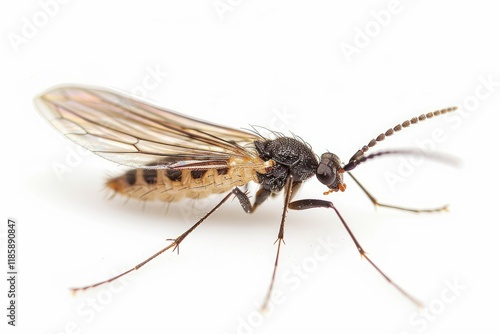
{"points": [[135, 133]]}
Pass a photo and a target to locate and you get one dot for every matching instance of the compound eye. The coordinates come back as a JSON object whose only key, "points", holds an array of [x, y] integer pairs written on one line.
{"points": [[325, 174]]}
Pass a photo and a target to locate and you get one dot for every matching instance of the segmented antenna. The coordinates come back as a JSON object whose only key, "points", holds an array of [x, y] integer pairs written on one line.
{"points": [[358, 157]]}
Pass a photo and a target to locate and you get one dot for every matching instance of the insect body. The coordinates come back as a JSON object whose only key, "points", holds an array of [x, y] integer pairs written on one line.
{"points": [[173, 184], [174, 156]]}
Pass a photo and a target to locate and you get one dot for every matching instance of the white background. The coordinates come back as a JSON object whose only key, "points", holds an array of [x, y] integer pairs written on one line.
{"points": [[239, 63]]}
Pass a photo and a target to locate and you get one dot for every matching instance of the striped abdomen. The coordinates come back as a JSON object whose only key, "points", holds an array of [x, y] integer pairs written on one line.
{"points": [[172, 185]]}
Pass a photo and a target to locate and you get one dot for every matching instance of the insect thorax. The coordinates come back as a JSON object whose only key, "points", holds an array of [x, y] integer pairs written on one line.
{"points": [[290, 156]]}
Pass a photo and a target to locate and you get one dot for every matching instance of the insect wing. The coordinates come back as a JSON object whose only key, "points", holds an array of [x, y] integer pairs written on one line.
{"points": [[135, 133]]}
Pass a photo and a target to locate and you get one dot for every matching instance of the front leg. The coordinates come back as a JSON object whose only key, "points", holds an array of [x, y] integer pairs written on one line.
{"points": [[391, 206]]}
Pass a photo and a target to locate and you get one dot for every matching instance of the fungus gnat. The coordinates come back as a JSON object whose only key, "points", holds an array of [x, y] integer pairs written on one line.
{"points": [[175, 157]]}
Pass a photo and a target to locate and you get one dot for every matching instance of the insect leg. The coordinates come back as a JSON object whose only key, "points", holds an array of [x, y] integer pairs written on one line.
{"points": [[316, 203], [260, 197], [174, 244], [377, 203], [289, 187]]}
